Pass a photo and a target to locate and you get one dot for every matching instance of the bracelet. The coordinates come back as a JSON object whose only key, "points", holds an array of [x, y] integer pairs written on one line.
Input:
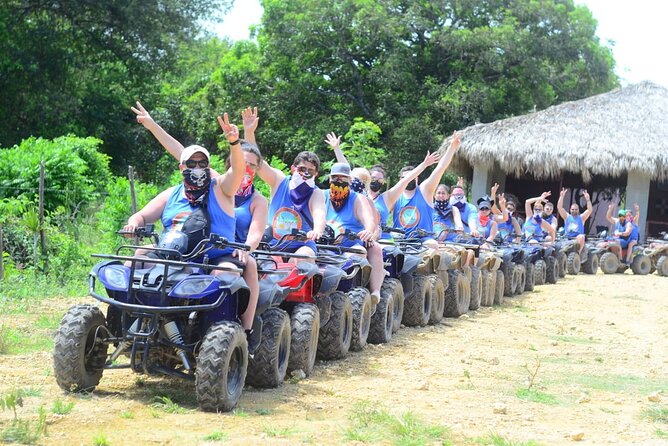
{"points": [[233, 143]]}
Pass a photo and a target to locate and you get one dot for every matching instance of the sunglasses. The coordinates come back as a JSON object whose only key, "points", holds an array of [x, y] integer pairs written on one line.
{"points": [[484, 209], [306, 171], [191, 164]]}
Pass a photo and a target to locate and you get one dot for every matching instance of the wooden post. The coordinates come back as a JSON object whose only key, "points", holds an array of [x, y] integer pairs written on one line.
{"points": [[42, 235], [133, 197]]}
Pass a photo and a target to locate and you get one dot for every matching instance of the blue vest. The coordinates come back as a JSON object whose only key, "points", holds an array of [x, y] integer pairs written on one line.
{"points": [[469, 210], [506, 228], [384, 212], [635, 234], [344, 218], [550, 219], [244, 216], [621, 228], [573, 226], [532, 229], [441, 224], [413, 213], [283, 216], [178, 209]]}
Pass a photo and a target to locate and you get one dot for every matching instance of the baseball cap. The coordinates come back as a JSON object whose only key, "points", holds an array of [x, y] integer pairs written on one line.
{"points": [[189, 151], [485, 204], [622, 213], [340, 169]]}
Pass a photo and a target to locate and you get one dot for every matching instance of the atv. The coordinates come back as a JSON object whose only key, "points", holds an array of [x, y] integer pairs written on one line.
{"points": [[167, 315], [657, 251], [610, 263]]}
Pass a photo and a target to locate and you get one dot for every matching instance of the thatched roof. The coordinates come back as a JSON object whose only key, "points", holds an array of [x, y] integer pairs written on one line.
{"points": [[608, 134]]}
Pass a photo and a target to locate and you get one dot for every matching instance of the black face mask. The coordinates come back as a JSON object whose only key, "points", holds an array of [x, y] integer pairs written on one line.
{"points": [[412, 185], [375, 186], [196, 184]]}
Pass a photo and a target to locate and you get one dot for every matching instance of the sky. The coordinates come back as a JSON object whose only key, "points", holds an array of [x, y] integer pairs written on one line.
{"points": [[637, 30]]}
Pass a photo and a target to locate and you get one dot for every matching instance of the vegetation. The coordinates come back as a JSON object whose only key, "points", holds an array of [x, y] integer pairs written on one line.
{"points": [[313, 67]]}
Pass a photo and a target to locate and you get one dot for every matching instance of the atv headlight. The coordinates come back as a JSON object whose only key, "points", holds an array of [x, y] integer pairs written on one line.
{"points": [[192, 286], [115, 277]]}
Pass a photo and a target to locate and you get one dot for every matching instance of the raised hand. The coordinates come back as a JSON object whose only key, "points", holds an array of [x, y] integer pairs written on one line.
{"points": [[495, 187], [636, 207], [502, 200], [456, 141], [230, 130], [544, 195], [563, 192], [333, 141], [143, 116], [610, 206], [585, 194], [431, 158], [460, 182], [250, 119]]}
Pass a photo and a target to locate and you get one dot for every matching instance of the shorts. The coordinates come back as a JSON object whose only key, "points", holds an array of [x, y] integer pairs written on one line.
{"points": [[624, 243], [218, 255], [347, 243]]}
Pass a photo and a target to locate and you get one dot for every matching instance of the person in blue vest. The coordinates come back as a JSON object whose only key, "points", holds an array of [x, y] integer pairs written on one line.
{"points": [[509, 229], [537, 230], [447, 220], [415, 207], [200, 188], [545, 209], [468, 211], [488, 221], [625, 234], [574, 221], [347, 210], [383, 201]]}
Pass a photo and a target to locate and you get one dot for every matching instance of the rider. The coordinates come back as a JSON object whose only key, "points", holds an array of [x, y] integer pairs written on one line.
{"points": [[535, 227], [447, 219], [487, 221], [625, 233], [574, 222], [510, 225], [415, 208], [383, 201], [348, 210], [201, 188], [542, 210], [468, 211]]}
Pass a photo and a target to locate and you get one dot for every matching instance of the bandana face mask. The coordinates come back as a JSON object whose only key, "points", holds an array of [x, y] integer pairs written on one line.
{"points": [[338, 193], [300, 189], [443, 207], [246, 188], [358, 186], [459, 201], [196, 184]]}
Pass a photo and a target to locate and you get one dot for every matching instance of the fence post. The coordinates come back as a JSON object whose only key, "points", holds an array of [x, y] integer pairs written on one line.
{"points": [[133, 196], [2, 250], [42, 235]]}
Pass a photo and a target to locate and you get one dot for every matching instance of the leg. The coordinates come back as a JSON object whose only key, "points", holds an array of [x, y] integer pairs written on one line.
{"points": [[629, 251], [581, 241], [251, 278], [375, 256], [304, 250]]}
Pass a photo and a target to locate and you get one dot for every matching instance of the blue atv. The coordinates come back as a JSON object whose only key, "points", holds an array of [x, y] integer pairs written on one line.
{"points": [[167, 315]]}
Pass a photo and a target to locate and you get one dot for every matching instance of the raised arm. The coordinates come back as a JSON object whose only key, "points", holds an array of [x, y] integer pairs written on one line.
{"points": [[229, 182], [250, 119], [492, 191], [636, 216], [168, 142], [560, 205], [586, 214], [528, 208], [392, 195], [428, 186], [608, 215], [334, 142], [503, 216]]}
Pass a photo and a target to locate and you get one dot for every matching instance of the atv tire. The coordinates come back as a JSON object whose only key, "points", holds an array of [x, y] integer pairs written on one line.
{"points": [[562, 263], [551, 270], [540, 272], [590, 266], [573, 264], [476, 289], [79, 355], [222, 363], [510, 279], [484, 293], [457, 298], [268, 366], [530, 277], [437, 299], [393, 288], [361, 302], [609, 263], [499, 289], [662, 266], [521, 272], [336, 334], [305, 323], [382, 321], [641, 265], [417, 308]]}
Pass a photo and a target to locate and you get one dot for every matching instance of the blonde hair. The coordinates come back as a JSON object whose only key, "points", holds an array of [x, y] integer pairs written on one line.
{"points": [[362, 174]]}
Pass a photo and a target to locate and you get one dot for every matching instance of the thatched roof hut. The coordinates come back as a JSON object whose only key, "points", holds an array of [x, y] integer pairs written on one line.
{"points": [[608, 134]]}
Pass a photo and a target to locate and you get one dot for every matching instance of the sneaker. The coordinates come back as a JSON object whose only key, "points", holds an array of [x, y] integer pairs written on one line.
{"points": [[375, 298], [253, 343]]}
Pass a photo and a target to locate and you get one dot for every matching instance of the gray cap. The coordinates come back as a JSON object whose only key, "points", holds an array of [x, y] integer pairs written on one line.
{"points": [[340, 169], [485, 204]]}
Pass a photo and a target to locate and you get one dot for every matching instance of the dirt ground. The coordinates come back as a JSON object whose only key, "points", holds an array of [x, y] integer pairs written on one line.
{"points": [[596, 347]]}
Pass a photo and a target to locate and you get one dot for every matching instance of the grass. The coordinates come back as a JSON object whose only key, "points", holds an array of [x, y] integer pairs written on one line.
{"points": [[216, 436], [165, 404], [373, 424], [48, 321], [22, 431], [279, 432], [263, 412], [661, 433], [61, 407], [537, 396], [656, 414], [15, 342], [240, 413], [127, 415], [620, 383], [573, 339], [100, 440], [493, 439]]}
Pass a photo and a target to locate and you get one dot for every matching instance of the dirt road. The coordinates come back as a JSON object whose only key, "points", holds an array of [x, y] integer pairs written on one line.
{"points": [[584, 361]]}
